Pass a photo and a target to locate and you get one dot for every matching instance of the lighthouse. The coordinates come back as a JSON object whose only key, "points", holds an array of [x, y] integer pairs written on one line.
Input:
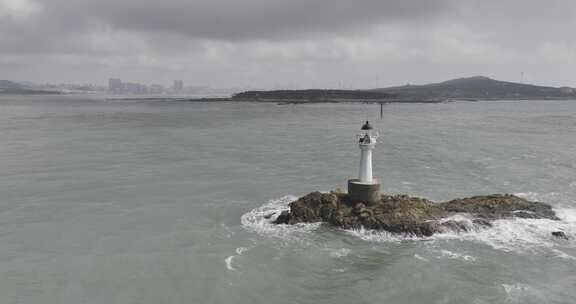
{"points": [[365, 188]]}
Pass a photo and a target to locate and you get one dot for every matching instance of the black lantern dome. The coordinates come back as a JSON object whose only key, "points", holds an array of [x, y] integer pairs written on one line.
{"points": [[367, 126]]}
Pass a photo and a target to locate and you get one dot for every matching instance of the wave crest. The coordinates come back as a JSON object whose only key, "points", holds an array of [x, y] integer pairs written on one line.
{"points": [[261, 220], [511, 235]]}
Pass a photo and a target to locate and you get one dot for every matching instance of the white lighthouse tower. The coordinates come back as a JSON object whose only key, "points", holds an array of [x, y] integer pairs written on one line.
{"points": [[365, 188]]}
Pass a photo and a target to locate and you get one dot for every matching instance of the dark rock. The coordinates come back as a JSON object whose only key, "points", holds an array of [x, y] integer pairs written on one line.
{"points": [[410, 215], [560, 235], [500, 206], [326, 211], [482, 223], [283, 218], [456, 226]]}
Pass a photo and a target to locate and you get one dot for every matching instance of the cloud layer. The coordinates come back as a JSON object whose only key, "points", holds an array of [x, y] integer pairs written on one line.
{"points": [[301, 43], [249, 19]]}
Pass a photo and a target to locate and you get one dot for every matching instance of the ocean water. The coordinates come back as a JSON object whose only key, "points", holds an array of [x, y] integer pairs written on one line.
{"points": [[165, 202]]}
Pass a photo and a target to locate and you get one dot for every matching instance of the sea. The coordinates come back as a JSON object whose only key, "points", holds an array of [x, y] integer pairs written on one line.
{"points": [[135, 202]]}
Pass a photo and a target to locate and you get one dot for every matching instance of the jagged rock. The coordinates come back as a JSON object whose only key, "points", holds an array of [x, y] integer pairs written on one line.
{"points": [[404, 214], [283, 218], [500, 206], [457, 226], [560, 235], [482, 222]]}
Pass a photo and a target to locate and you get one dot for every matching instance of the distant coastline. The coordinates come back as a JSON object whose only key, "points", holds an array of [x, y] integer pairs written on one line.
{"points": [[317, 96], [315, 100], [28, 92], [13, 88], [477, 88]]}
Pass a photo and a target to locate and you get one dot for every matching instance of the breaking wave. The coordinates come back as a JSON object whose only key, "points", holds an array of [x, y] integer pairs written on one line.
{"points": [[229, 260], [557, 198], [510, 235], [261, 220], [522, 234]]}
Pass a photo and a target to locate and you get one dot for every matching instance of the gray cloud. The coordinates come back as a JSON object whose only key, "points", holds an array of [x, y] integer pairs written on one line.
{"points": [[249, 19], [304, 42]]}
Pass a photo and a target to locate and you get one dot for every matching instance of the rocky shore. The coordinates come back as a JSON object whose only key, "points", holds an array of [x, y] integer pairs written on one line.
{"points": [[404, 214]]}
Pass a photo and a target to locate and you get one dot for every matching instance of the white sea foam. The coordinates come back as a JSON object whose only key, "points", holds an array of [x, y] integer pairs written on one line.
{"points": [[261, 220], [339, 253], [514, 287], [239, 251], [515, 291], [522, 235], [464, 219], [524, 293], [511, 235], [228, 262], [519, 235], [562, 254], [378, 236], [421, 258], [555, 198], [455, 255]]}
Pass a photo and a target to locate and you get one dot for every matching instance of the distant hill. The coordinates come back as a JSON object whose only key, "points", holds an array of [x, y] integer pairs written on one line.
{"points": [[480, 87], [311, 95], [470, 88], [10, 87]]}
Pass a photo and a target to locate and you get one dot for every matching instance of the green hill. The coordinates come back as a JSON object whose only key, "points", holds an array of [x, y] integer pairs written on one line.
{"points": [[480, 87], [10, 85], [311, 95]]}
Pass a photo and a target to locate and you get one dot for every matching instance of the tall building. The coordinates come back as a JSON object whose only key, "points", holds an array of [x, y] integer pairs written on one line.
{"points": [[115, 85], [135, 88], [178, 86]]}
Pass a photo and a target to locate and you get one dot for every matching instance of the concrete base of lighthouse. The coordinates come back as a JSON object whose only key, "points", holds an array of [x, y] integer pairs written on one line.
{"points": [[368, 193]]}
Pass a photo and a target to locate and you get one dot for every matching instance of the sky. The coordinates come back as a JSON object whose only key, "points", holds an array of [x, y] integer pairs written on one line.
{"points": [[290, 44]]}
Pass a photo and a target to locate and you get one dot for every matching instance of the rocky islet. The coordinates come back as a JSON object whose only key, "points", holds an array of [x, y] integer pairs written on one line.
{"points": [[403, 214]]}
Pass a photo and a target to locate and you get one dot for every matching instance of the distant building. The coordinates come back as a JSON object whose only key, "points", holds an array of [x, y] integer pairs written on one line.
{"points": [[178, 86], [135, 88], [156, 89], [115, 85]]}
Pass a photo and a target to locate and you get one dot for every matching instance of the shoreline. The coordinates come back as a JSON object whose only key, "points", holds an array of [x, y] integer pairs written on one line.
{"points": [[326, 101], [295, 101]]}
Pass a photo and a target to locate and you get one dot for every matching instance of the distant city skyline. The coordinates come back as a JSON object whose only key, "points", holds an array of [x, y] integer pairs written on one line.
{"points": [[117, 85], [287, 44]]}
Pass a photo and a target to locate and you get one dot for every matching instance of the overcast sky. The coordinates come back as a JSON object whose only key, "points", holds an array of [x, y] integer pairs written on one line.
{"points": [[288, 43]]}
